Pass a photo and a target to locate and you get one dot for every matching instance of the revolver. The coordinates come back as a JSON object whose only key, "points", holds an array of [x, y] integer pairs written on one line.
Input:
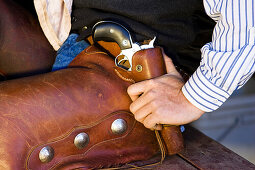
{"points": [[110, 31]]}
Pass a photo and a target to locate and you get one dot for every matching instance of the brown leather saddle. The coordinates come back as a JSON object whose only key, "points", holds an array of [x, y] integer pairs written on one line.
{"points": [[75, 118]]}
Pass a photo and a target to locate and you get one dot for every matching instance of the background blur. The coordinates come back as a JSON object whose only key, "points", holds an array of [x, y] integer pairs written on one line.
{"points": [[233, 124]]}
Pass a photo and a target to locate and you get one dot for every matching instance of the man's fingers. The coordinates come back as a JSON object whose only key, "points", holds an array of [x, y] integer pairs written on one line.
{"points": [[142, 113], [150, 121], [134, 97], [144, 99], [137, 89], [170, 68]]}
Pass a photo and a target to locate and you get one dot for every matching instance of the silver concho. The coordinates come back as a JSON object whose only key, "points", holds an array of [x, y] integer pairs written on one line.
{"points": [[81, 140], [46, 154], [119, 126]]}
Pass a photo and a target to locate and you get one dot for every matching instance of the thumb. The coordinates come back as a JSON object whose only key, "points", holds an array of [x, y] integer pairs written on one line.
{"points": [[170, 68]]}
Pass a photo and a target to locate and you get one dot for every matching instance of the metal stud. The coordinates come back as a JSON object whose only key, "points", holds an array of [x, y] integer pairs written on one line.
{"points": [[119, 126], [112, 31], [139, 68], [125, 42], [81, 140], [46, 154], [85, 28]]}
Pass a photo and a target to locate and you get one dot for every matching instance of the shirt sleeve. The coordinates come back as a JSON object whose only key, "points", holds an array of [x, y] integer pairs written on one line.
{"points": [[228, 61], [55, 20]]}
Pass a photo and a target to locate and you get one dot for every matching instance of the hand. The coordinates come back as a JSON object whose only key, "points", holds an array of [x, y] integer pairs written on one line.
{"points": [[161, 101]]}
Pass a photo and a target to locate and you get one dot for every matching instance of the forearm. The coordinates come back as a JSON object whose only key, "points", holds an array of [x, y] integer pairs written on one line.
{"points": [[228, 61]]}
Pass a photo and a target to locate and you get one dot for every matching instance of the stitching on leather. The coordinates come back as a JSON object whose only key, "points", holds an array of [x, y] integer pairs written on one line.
{"points": [[96, 52], [93, 52], [86, 50], [122, 77], [98, 144], [67, 134]]}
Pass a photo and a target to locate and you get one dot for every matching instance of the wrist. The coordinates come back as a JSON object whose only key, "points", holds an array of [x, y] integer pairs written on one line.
{"points": [[193, 111]]}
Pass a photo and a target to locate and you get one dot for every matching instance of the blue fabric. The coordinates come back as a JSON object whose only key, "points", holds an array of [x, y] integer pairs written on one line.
{"points": [[68, 51]]}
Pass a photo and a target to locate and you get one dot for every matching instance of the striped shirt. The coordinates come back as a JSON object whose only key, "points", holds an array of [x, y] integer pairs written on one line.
{"points": [[228, 61]]}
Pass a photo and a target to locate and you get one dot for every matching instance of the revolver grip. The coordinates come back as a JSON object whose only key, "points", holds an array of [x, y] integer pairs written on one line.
{"points": [[147, 64]]}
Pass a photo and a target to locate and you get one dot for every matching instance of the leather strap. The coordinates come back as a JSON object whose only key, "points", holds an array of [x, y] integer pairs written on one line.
{"points": [[67, 152]]}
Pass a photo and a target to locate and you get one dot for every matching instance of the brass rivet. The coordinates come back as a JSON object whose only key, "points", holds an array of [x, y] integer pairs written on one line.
{"points": [[139, 68], [85, 27], [81, 140], [46, 154]]}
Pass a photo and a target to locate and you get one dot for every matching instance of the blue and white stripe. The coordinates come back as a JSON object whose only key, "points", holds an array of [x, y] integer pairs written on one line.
{"points": [[228, 61]]}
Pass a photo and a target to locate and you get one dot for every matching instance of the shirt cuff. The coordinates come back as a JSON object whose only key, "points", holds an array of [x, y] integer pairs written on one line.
{"points": [[202, 93]]}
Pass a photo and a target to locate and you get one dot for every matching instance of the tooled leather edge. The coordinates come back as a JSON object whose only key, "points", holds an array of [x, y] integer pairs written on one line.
{"points": [[67, 134], [95, 51], [100, 143], [122, 77]]}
